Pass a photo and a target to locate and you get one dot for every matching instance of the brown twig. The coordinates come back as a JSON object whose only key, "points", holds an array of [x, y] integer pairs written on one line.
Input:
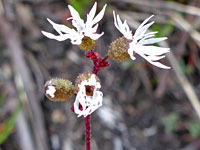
{"points": [[167, 6], [186, 26], [22, 128]]}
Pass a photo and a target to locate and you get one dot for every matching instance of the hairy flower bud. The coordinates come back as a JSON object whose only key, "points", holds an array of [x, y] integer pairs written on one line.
{"points": [[87, 44], [118, 49], [82, 77], [58, 89]]}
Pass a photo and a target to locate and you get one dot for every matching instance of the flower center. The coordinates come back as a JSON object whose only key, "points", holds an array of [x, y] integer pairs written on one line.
{"points": [[87, 43], [89, 90]]}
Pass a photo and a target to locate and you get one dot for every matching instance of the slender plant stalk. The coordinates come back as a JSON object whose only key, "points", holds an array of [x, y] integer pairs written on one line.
{"points": [[87, 132], [96, 69]]}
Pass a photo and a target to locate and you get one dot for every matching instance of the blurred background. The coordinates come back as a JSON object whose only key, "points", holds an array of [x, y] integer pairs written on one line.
{"points": [[144, 107]]}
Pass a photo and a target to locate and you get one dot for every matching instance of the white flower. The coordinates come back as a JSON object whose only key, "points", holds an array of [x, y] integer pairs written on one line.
{"points": [[141, 40], [88, 103], [51, 90], [87, 29]]}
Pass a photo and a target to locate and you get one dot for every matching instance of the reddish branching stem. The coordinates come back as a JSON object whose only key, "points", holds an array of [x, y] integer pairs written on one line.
{"points": [[99, 64]]}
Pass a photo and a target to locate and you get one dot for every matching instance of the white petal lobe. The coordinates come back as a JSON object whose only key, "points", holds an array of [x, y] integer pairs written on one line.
{"points": [[100, 15], [122, 27], [51, 91], [55, 37]]}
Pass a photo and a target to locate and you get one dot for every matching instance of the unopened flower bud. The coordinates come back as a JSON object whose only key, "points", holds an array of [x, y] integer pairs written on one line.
{"points": [[83, 77], [118, 49], [58, 89], [87, 44]]}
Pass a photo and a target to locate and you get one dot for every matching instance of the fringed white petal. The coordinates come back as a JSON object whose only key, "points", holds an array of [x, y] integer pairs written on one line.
{"points": [[64, 32], [59, 27], [150, 50], [91, 23], [94, 36], [148, 40], [94, 29], [150, 53], [92, 12], [153, 40], [130, 52], [99, 16], [141, 27], [61, 37], [88, 103], [157, 64], [142, 31], [76, 20], [154, 58], [122, 27]]}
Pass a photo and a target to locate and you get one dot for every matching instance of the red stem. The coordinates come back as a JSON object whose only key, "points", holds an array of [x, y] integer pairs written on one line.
{"points": [[87, 132], [105, 58], [87, 119], [95, 70]]}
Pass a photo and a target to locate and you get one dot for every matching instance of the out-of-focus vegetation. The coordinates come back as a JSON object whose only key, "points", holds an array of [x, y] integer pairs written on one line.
{"points": [[8, 125], [170, 122], [80, 5]]}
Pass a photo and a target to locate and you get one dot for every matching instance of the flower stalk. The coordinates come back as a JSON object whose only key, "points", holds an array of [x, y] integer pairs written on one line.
{"points": [[99, 64], [87, 132]]}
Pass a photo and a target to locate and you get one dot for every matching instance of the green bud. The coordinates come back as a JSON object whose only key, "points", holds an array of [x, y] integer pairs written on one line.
{"points": [[87, 44], [58, 90], [118, 49]]}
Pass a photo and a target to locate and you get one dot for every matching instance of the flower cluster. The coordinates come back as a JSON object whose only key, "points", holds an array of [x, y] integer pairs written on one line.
{"points": [[141, 40], [87, 29], [84, 34]]}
